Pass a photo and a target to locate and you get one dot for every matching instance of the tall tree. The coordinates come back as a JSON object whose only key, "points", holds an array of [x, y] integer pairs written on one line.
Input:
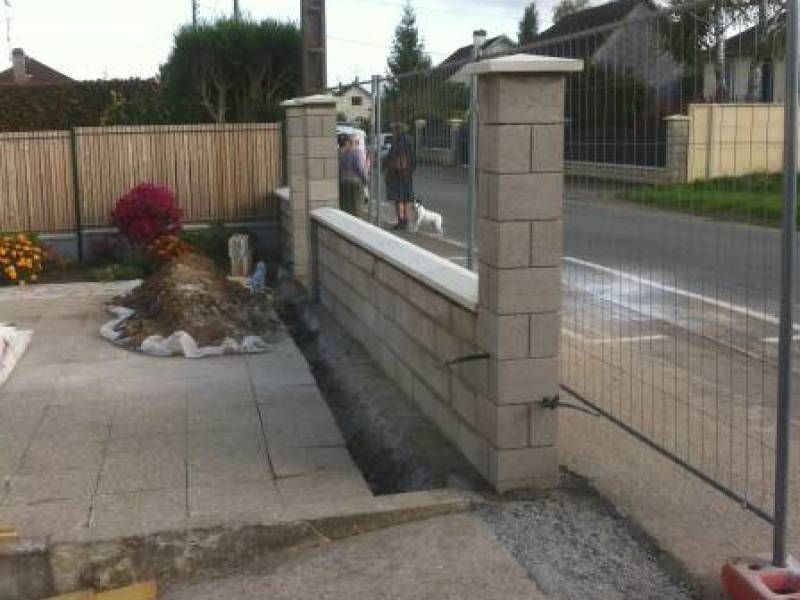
{"points": [[232, 70], [528, 25], [697, 31], [408, 51], [568, 7]]}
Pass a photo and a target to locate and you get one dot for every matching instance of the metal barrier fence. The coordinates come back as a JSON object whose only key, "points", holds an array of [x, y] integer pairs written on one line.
{"points": [[677, 310], [672, 273], [421, 121], [674, 261]]}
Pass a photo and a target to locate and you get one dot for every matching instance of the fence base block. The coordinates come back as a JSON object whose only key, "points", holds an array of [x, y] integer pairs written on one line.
{"points": [[756, 578]]}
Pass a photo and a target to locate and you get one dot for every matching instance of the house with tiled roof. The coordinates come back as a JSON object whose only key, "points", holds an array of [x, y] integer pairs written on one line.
{"points": [[499, 44], [622, 35], [26, 70]]}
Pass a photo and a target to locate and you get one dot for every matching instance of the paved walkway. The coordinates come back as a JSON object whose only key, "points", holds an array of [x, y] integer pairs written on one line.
{"points": [[98, 442]]}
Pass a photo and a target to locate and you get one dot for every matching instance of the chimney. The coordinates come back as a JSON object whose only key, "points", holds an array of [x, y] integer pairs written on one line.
{"points": [[478, 40], [18, 64]]}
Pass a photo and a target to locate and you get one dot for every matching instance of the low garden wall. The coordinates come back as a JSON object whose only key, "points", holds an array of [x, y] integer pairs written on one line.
{"points": [[415, 313]]}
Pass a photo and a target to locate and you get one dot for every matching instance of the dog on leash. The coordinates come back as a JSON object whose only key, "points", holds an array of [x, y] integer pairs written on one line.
{"points": [[426, 220]]}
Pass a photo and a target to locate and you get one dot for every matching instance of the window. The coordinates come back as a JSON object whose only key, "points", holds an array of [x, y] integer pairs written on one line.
{"points": [[356, 100]]}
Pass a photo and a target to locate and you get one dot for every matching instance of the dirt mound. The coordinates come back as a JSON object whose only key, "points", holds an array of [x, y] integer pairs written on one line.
{"points": [[189, 294]]}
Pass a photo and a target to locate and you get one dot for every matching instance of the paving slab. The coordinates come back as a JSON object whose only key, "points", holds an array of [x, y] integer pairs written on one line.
{"points": [[450, 557], [98, 443]]}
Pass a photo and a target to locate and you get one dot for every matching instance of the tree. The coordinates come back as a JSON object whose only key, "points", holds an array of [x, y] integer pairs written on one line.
{"points": [[232, 70], [408, 51], [528, 25], [568, 7], [694, 30]]}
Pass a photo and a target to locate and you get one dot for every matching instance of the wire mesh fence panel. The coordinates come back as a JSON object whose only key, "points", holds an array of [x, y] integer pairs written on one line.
{"points": [[671, 248], [420, 177]]}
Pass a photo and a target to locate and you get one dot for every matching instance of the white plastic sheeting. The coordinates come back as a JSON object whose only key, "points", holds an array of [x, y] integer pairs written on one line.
{"points": [[13, 343], [179, 343]]}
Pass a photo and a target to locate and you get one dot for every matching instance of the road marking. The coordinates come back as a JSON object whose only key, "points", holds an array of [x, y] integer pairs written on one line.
{"points": [[617, 340], [735, 308], [774, 340]]}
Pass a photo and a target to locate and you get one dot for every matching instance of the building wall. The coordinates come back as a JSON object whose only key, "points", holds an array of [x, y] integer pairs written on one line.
{"points": [[734, 139], [344, 104], [636, 45], [741, 76]]}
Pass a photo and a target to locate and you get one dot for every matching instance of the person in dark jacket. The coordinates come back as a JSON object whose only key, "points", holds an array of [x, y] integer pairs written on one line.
{"points": [[399, 174]]}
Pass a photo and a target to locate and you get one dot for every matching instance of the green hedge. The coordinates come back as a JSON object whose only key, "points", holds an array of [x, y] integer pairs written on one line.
{"points": [[81, 104]]}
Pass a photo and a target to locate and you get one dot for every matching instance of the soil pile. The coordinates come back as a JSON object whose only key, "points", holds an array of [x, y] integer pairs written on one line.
{"points": [[189, 294]]}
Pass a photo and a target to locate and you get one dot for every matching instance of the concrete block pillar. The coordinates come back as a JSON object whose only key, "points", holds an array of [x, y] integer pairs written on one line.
{"points": [[519, 206], [678, 147], [313, 168]]}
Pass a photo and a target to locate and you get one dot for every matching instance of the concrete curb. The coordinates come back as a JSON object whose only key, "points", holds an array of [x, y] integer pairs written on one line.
{"points": [[33, 570]]}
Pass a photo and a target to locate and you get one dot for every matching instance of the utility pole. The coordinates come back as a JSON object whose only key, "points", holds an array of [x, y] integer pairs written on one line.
{"points": [[194, 13], [314, 46], [236, 14]]}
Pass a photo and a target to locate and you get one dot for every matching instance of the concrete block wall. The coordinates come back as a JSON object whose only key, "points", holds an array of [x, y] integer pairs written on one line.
{"points": [[313, 172], [478, 354], [414, 312]]}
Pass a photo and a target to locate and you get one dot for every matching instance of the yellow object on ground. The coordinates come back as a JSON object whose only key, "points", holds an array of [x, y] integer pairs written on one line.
{"points": [[138, 591]]}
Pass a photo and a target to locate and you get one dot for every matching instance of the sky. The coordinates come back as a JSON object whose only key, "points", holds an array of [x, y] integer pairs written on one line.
{"points": [[98, 39]]}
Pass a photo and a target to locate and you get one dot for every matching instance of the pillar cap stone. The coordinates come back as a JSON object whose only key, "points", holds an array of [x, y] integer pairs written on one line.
{"points": [[519, 63], [316, 100]]}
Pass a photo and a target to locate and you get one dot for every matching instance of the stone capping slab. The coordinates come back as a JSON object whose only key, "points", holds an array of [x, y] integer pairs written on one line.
{"points": [[519, 63], [284, 193], [316, 100], [449, 279]]}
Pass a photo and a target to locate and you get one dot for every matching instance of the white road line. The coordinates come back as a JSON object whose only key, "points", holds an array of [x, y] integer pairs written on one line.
{"points": [[774, 340], [735, 308], [619, 340]]}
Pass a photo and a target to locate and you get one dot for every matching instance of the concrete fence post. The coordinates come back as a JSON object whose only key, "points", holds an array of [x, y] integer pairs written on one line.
{"points": [[455, 132], [677, 159], [419, 136], [519, 207], [313, 169]]}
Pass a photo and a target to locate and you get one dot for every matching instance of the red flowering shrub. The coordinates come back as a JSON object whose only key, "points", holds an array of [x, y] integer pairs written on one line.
{"points": [[146, 213]]}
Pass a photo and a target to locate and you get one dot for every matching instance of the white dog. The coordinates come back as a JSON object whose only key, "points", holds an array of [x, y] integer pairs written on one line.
{"points": [[426, 221]]}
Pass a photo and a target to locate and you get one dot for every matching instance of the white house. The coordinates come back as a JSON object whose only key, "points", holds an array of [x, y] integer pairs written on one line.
{"points": [[354, 102], [770, 78]]}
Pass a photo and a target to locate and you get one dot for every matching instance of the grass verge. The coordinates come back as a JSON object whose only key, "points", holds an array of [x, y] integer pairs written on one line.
{"points": [[750, 198]]}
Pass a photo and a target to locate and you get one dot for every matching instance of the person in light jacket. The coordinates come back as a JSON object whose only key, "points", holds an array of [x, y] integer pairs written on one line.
{"points": [[352, 177]]}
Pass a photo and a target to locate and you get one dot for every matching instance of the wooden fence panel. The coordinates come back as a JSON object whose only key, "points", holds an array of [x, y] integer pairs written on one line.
{"points": [[218, 172], [36, 190]]}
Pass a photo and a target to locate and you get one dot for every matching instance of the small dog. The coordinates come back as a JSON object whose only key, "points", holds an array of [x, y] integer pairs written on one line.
{"points": [[425, 220]]}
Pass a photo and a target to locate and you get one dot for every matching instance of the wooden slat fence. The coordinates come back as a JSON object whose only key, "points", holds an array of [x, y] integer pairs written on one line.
{"points": [[218, 172], [36, 191]]}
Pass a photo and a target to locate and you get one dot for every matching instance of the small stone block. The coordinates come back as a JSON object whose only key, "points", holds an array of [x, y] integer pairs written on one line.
{"points": [[546, 243], [504, 244], [505, 148], [547, 148]]}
